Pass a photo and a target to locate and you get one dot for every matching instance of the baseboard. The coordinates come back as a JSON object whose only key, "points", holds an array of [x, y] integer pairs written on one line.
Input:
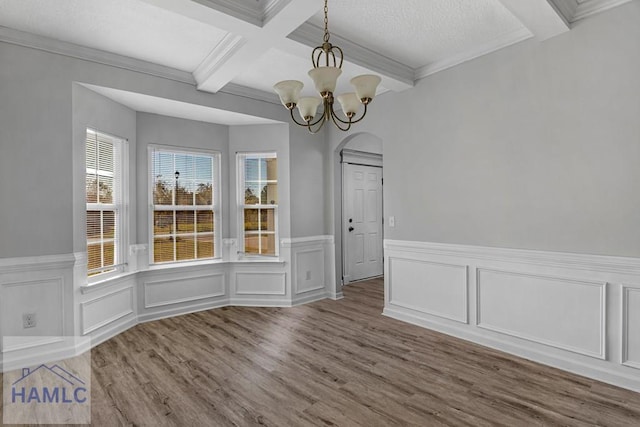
{"points": [[567, 364], [193, 308]]}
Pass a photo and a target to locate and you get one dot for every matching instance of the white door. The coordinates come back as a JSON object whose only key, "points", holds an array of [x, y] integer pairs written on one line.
{"points": [[362, 222]]}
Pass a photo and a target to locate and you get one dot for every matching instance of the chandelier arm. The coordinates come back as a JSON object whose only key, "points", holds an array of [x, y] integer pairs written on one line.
{"points": [[337, 121], [350, 122], [306, 125], [334, 56], [320, 122]]}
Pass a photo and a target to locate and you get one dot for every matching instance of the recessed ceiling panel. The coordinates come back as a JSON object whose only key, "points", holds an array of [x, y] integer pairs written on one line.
{"points": [[125, 27], [276, 65], [419, 32]]}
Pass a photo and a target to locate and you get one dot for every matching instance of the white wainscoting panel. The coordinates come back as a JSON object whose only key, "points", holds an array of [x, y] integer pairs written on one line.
{"points": [[435, 288], [158, 293], [308, 270], [260, 283], [631, 326], [106, 309], [577, 312], [44, 298], [561, 312]]}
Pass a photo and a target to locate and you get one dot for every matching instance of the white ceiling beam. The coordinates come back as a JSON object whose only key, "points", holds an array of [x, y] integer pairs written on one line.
{"points": [[539, 16], [217, 70]]}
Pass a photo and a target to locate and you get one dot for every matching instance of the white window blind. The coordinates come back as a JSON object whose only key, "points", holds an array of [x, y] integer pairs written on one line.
{"points": [[258, 201], [184, 205], [104, 202]]}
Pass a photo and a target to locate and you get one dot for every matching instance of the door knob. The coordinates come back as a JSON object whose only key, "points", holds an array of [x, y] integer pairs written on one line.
{"points": [[350, 229]]}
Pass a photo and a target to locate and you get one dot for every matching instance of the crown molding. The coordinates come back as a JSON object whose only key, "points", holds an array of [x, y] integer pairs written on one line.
{"points": [[247, 92], [497, 44], [272, 8], [236, 9], [46, 44], [224, 50], [573, 11], [308, 34]]}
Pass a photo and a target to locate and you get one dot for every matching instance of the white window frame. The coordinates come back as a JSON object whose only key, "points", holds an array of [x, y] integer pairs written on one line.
{"points": [[120, 206], [240, 157], [217, 211]]}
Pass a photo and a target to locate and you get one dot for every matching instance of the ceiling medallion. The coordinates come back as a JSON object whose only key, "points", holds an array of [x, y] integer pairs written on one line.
{"points": [[327, 66]]}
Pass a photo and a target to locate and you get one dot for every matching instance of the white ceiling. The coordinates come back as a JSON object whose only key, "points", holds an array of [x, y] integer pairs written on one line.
{"points": [[245, 46]]}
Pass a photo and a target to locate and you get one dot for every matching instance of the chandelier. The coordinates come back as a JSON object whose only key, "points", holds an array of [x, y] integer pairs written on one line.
{"points": [[327, 67]]}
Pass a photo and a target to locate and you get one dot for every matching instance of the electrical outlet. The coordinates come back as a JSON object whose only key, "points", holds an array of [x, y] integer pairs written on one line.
{"points": [[308, 275], [29, 320]]}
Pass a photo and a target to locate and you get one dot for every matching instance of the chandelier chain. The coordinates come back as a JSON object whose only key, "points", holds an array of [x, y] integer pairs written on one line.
{"points": [[326, 21]]}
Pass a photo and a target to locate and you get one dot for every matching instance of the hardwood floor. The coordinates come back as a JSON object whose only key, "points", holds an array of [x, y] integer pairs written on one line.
{"points": [[332, 363]]}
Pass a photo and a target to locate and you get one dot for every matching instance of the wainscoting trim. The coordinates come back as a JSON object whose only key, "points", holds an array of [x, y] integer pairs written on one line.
{"points": [[601, 354], [622, 265], [624, 327], [83, 307]]}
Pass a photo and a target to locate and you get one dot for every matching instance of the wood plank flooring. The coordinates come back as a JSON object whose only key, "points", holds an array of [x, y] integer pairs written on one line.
{"points": [[332, 363]]}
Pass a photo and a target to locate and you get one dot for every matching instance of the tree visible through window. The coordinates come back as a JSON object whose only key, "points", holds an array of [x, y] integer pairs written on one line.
{"points": [[104, 201], [184, 205], [259, 200]]}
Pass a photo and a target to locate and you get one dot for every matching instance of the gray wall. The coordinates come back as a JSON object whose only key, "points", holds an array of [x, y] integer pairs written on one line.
{"points": [[37, 135], [91, 110], [307, 170], [162, 130], [535, 146]]}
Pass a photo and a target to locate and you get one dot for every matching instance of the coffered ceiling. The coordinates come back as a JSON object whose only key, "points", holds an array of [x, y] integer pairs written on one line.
{"points": [[245, 46]]}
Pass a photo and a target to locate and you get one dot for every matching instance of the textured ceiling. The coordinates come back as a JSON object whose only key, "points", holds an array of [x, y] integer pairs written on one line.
{"points": [[126, 27], [418, 32]]}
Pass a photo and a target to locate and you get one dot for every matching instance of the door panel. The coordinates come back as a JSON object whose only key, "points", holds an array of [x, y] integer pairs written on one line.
{"points": [[362, 223]]}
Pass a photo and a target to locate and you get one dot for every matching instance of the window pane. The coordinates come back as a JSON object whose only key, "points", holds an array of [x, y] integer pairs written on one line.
{"points": [[269, 244], [252, 194], [184, 222], [185, 248], [94, 255], [272, 169], [269, 194], [109, 224], [105, 189], [163, 222], [91, 159], [250, 219], [162, 192], [205, 246], [109, 254], [204, 194], [204, 221], [93, 225], [184, 192], [267, 219], [105, 154], [185, 164], [92, 188], [251, 243], [251, 169], [163, 249]]}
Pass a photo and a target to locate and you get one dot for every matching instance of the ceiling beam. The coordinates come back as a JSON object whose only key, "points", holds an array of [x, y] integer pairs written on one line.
{"points": [[540, 16]]}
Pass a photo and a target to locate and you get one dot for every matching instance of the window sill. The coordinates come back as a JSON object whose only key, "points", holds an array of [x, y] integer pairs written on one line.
{"points": [[106, 282]]}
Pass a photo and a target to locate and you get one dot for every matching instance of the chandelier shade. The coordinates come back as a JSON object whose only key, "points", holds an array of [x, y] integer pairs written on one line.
{"points": [[308, 106], [327, 66], [289, 91]]}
